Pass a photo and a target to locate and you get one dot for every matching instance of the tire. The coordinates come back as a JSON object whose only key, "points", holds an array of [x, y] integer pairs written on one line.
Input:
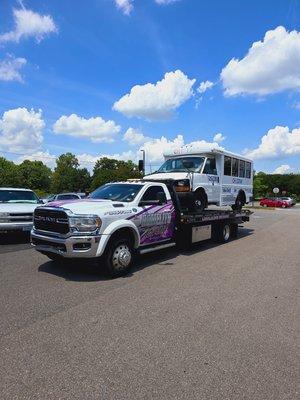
{"points": [[118, 257], [239, 202], [200, 201], [221, 233], [234, 231]]}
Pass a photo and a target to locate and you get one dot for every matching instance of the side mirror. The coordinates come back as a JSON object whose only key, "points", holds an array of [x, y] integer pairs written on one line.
{"points": [[41, 201], [141, 165]]}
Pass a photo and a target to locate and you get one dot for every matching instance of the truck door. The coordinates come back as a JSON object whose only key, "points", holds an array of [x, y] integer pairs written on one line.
{"points": [[156, 223]]}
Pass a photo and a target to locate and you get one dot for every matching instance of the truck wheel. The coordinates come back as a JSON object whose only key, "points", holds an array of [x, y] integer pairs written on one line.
{"points": [[221, 233], [118, 257]]}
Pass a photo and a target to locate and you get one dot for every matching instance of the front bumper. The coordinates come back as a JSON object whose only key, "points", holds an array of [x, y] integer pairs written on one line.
{"points": [[16, 226], [70, 247]]}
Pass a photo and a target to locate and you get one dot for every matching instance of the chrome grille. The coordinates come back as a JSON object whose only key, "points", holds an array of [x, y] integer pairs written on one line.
{"points": [[20, 217]]}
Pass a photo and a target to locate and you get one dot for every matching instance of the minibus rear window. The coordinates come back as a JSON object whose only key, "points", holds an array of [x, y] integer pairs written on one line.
{"points": [[248, 170], [241, 169]]}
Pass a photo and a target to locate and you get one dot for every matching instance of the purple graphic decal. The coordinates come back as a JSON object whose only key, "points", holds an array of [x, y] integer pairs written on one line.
{"points": [[156, 223]]}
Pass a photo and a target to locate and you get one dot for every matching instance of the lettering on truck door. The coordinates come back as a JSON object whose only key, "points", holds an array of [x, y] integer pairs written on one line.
{"points": [[156, 223]]}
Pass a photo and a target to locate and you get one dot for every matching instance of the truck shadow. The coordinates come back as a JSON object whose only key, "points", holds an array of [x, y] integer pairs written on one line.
{"points": [[89, 272], [14, 238]]}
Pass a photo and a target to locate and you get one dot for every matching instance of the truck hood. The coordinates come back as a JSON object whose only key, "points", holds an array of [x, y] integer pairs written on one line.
{"points": [[86, 206], [168, 175], [17, 207]]}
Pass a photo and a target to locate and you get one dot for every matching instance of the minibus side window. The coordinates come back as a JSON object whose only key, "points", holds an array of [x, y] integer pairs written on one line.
{"points": [[227, 165], [241, 169], [235, 164], [248, 170], [210, 166]]}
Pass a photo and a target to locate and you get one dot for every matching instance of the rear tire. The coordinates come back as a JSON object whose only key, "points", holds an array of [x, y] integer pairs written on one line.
{"points": [[239, 202], [118, 257], [221, 233]]}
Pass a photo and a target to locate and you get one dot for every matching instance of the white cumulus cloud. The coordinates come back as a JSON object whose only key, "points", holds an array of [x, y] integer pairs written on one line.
{"points": [[10, 68], [43, 156], [29, 24], [96, 128], [157, 101], [219, 137], [282, 169], [277, 142], [21, 130], [126, 6], [134, 136], [270, 66], [204, 86]]}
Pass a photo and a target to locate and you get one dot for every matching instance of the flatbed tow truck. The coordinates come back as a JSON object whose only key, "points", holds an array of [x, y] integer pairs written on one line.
{"points": [[122, 219]]}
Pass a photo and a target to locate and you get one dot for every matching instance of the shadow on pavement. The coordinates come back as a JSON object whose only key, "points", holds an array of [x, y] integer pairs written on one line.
{"points": [[85, 271], [14, 238]]}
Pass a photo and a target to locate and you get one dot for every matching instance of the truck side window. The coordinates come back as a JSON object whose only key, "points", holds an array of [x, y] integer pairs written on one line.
{"points": [[210, 166], [248, 170], [241, 169], [151, 193], [235, 166], [227, 166]]}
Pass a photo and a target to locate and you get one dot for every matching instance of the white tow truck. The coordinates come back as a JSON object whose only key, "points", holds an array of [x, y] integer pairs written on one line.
{"points": [[121, 219]]}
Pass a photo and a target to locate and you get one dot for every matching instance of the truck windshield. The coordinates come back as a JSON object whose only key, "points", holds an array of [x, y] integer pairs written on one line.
{"points": [[116, 192], [182, 164], [18, 196]]}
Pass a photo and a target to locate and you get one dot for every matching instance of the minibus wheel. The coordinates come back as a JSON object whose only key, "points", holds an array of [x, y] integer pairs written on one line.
{"points": [[200, 200], [239, 202]]}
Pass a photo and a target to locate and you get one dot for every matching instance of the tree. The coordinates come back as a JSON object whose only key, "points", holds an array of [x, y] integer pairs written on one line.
{"points": [[67, 176], [110, 170], [35, 175], [9, 174]]}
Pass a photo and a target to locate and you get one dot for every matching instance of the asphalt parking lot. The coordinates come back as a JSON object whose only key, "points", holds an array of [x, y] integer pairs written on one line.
{"points": [[217, 322]]}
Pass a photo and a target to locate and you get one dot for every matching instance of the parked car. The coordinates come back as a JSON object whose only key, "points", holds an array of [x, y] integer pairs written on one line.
{"points": [[289, 199], [274, 202], [16, 209], [63, 196]]}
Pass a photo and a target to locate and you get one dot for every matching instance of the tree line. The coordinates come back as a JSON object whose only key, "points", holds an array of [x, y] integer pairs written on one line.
{"points": [[67, 176]]}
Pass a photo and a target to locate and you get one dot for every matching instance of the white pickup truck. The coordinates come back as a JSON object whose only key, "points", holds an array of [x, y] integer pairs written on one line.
{"points": [[121, 219], [16, 209]]}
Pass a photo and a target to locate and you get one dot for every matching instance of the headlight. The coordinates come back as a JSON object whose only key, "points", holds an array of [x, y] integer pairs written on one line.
{"points": [[183, 185], [88, 223]]}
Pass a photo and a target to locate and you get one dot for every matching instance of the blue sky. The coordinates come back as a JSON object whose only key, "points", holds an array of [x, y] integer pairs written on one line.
{"points": [[75, 61]]}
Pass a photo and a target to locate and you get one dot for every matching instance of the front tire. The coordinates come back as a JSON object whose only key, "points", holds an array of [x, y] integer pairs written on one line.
{"points": [[200, 201], [118, 257]]}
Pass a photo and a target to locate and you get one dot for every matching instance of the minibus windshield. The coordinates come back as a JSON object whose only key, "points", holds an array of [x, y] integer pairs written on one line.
{"points": [[182, 164]]}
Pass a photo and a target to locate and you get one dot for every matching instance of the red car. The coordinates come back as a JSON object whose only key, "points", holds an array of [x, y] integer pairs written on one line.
{"points": [[274, 202]]}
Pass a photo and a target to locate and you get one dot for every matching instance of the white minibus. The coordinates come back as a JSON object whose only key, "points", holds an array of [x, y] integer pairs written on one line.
{"points": [[215, 177]]}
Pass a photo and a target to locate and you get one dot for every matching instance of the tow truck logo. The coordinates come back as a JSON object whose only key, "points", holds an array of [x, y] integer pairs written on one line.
{"points": [[156, 219]]}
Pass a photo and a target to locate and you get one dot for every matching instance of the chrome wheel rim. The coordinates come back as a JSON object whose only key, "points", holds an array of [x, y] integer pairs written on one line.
{"points": [[121, 257], [226, 232]]}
